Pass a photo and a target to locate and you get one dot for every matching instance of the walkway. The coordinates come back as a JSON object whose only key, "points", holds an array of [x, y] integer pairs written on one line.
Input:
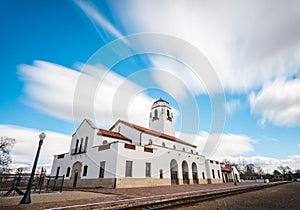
{"points": [[90, 198]]}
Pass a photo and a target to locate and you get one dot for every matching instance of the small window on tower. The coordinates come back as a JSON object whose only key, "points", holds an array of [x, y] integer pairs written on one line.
{"points": [[168, 113], [174, 147], [150, 142], [163, 144], [155, 113]]}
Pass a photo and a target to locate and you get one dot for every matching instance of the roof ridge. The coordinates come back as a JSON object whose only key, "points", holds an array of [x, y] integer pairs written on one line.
{"points": [[154, 132], [110, 133]]}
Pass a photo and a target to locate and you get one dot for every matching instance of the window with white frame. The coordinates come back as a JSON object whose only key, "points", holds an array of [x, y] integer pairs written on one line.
{"points": [[102, 169], [148, 169], [128, 169], [68, 172], [85, 168]]}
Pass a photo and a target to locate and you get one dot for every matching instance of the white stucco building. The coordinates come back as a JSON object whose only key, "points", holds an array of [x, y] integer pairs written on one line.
{"points": [[129, 155]]}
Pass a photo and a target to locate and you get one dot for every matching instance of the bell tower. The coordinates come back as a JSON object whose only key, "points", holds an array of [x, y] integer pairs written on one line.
{"points": [[161, 117]]}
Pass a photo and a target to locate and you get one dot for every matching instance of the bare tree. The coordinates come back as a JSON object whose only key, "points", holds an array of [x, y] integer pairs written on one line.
{"points": [[6, 145], [284, 170], [260, 172]]}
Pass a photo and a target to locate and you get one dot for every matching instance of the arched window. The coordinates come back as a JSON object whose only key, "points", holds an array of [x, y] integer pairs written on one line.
{"points": [[104, 142], [183, 149], [85, 170], [150, 142], [163, 144], [76, 146], [85, 143], [174, 147], [192, 151], [81, 145], [168, 113]]}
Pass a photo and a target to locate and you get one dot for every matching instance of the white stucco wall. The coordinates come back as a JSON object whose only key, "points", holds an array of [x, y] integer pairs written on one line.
{"points": [[213, 165], [116, 155]]}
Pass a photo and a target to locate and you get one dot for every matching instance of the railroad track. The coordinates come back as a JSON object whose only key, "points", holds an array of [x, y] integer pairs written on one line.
{"points": [[170, 200], [186, 200]]}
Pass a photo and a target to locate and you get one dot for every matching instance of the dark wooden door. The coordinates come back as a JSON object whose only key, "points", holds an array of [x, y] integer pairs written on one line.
{"points": [[185, 177], [174, 178], [195, 178], [75, 180]]}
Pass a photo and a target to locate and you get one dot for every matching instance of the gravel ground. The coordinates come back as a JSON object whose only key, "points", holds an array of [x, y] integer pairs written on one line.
{"points": [[286, 196]]}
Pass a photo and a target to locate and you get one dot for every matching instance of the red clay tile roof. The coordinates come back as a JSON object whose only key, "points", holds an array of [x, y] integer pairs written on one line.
{"points": [[112, 134], [156, 133], [160, 100], [227, 168]]}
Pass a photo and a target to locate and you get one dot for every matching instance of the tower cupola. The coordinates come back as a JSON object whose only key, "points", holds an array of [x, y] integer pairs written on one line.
{"points": [[161, 117]]}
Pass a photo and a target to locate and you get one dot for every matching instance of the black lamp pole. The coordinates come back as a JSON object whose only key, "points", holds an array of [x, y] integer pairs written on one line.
{"points": [[26, 198]]}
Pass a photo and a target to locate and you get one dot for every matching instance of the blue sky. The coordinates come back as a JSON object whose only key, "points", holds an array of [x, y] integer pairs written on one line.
{"points": [[254, 50]]}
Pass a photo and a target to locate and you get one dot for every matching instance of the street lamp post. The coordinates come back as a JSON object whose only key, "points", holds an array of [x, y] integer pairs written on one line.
{"points": [[26, 198]]}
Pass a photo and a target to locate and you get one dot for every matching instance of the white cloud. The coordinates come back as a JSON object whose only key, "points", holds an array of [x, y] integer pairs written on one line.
{"points": [[278, 102], [95, 16], [269, 164], [183, 79], [247, 44], [96, 94], [24, 150], [228, 145], [232, 105]]}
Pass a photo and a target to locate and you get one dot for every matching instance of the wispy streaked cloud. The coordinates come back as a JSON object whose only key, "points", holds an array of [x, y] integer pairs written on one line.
{"points": [[96, 17], [229, 144], [54, 94], [278, 103], [232, 105], [247, 43], [26, 144]]}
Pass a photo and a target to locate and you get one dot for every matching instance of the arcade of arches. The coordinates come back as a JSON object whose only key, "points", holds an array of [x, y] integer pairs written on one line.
{"points": [[185, 172]]}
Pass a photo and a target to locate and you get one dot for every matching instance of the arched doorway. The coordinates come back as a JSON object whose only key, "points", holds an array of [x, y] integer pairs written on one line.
{"points": [[174, 172], [195, 173], [76, 171], [185, 173]]}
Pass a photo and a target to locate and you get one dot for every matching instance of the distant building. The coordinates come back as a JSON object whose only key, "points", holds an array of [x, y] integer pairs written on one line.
{"points": [[129, 155], [230, 173]]}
